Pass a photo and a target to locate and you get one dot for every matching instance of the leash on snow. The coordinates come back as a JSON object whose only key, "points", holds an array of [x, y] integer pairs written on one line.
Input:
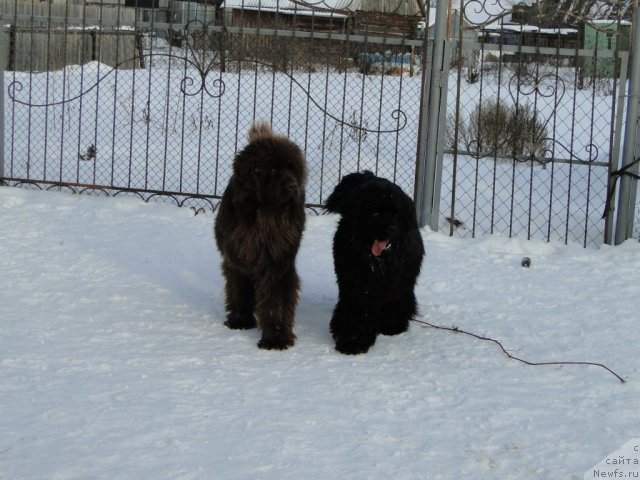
{"points": [[513, 357]]}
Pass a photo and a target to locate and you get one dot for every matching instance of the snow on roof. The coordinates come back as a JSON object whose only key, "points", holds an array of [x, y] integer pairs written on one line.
{"points": [[338, 8], [300, 5], [495, 27], [609, 21]]}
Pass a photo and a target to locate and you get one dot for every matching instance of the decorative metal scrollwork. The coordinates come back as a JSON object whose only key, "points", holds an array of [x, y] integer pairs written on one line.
{"points": [[547, 85], [194, 202], [188, 86], [213, 86], [479, 13]]}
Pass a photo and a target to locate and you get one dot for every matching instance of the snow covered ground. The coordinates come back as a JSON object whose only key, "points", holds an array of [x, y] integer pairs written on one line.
{"points": [[115, 364]]}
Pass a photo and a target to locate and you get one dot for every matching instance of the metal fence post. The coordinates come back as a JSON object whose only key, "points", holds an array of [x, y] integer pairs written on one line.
{"points": [[421, 152], [617, 144], [427, 168], [2, 65], [629, 185]]}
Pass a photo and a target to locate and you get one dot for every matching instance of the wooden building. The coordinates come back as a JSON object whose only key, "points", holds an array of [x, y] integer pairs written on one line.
{"points": [[397, 18]]}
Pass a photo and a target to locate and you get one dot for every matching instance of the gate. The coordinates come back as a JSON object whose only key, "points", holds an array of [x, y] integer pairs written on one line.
{"points": [[530, 118]]}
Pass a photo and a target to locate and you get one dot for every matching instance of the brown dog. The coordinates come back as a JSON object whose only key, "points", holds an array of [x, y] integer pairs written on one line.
{"points": [[258, 231]]}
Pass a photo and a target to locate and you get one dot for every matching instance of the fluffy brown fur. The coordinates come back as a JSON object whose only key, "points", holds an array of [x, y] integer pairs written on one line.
{"points": [[258, 231]]}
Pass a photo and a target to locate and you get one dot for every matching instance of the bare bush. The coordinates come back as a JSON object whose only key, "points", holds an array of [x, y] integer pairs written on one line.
{"points": [[499, 130], [528, 132]]}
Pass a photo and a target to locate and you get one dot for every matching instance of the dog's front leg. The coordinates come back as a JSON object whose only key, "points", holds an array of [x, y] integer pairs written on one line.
{"points": [[397, 313], [354, 325], [276, 300], [239, 298]]}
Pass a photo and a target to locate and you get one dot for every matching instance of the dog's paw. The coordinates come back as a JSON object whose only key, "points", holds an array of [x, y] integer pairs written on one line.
{"points": [[240, 322], [276, 342], [354, 345], [394, 328]]}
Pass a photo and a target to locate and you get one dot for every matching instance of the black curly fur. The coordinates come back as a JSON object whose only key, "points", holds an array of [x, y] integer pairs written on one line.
{"points": [[377, 252]]}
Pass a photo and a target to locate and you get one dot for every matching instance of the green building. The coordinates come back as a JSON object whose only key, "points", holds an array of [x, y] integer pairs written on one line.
{"points": [[604, 36]]}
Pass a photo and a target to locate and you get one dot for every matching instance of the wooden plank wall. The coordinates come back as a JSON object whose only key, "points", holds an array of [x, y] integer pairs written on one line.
{"points": [[38, 46]]}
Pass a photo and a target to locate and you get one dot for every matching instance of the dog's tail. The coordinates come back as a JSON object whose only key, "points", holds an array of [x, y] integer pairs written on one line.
{"points": [[260, 131], [339, 197]]}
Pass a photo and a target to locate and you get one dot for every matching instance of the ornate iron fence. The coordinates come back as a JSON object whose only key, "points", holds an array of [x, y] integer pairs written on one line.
{"points": [[163, 116], [502, 127]]}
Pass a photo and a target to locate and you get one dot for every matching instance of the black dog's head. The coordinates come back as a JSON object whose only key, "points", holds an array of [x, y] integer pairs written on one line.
{"points": [[377, 211], [271, 168]]}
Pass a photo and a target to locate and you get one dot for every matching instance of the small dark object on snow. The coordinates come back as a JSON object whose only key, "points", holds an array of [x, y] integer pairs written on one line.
{"points": [[456, 223], [90, 154], [526, 262]]}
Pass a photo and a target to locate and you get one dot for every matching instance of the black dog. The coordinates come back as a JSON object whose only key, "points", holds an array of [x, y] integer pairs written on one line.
{"points": [[377, 254]]}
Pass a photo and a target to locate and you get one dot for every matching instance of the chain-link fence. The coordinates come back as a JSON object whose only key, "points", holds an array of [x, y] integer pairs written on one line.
{"points": [[154, 99], [533, 128], [161, 111]]}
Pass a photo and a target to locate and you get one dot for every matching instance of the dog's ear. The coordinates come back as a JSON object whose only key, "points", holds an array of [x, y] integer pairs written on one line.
{"points": [[339, 198], [244, 164]]}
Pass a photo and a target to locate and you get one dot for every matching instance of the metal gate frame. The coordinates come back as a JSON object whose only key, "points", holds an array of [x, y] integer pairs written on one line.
{"points": [[431, 145], [631, 149]]}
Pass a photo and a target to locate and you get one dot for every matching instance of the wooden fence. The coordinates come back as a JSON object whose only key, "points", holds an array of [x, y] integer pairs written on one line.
{"points": [[32, 43]]}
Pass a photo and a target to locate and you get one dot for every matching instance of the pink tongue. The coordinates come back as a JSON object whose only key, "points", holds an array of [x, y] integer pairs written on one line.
{"points": [[378, 246]]}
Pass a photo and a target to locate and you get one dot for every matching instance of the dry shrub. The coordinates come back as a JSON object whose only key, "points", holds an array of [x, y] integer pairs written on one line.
{"points": [[499, 130], [397, 71]]}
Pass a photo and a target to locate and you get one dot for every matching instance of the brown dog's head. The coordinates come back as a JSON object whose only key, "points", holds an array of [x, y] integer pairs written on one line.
{"points": [[271, 168]]}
